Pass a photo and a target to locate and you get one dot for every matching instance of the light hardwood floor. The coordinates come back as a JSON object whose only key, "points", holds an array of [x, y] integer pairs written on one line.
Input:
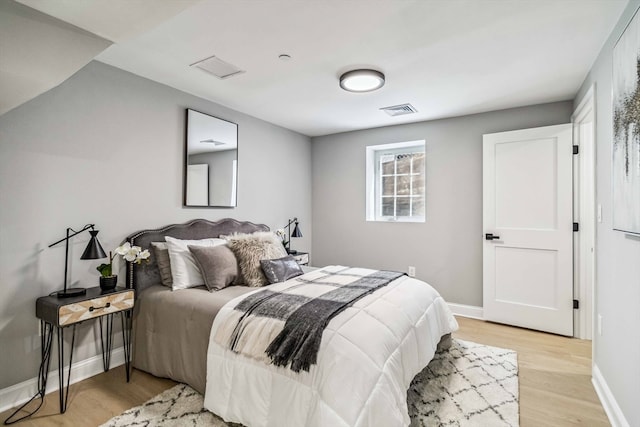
{"points": [[554, 374]]}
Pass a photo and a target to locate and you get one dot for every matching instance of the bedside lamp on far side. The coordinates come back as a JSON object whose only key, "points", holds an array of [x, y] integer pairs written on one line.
{"points": [[93, 251], [296, 233]]}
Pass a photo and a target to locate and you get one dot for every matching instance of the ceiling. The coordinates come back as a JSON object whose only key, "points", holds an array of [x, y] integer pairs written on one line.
{"points": [[31, 58], [445, 57]]}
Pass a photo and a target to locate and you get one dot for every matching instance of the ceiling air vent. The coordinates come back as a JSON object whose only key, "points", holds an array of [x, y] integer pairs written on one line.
{"points": [[399, 110], [218, 67]]}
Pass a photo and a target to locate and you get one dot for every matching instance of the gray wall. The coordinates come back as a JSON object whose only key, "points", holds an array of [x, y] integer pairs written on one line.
{"points": [[107, 147], [617, 350], [447, 249]]}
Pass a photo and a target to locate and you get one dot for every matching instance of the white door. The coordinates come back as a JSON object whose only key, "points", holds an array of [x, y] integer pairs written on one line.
{"points": [[528, 226]]}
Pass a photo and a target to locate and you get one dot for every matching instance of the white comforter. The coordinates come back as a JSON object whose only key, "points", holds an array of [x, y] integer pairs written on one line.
{"points": [[368, 357]]}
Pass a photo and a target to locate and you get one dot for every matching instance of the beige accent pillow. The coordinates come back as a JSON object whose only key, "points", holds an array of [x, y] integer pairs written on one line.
{"points": [[161, 254], [184, 270], [218, 265], [249, 250]]}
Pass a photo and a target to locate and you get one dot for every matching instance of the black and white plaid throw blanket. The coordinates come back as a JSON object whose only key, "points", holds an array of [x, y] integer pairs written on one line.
{"points": [[284, 324]]}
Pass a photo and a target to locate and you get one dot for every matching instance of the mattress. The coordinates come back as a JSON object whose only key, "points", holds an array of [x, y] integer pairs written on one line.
{"points": [[171, 331]]}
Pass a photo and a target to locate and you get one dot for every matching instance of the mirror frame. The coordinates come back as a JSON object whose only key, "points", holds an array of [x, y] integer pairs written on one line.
{"points": [[186, 162]]}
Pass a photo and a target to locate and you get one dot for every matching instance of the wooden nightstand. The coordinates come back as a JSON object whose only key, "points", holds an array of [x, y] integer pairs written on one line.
{"points": [[301, 257], [69, 312]]}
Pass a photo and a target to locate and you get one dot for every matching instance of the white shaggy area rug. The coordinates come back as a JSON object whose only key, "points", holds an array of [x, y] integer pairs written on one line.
{"points": [[465, 385]]}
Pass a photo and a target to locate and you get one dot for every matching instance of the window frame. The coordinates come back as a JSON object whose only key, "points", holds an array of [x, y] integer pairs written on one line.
{"points": [[374, 179]]}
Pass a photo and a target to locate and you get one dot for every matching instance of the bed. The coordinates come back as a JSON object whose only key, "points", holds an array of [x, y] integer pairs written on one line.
{"points": [[368, 355]]}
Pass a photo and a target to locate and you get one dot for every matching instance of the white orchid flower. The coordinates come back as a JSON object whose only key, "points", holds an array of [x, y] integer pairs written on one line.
{"points": [[132, 254], [124, 249], [143, 255]]}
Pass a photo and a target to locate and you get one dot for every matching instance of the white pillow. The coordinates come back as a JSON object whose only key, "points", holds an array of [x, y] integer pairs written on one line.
{"points": [[184, 269]]}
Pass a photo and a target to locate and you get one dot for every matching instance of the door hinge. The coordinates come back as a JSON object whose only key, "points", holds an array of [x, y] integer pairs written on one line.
{"points": [[576, 226], [576, 304], [576, 149]]}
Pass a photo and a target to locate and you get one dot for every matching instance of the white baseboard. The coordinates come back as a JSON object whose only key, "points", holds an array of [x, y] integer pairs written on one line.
{"points": [[17, 394], [616, 417], [467, 311]]}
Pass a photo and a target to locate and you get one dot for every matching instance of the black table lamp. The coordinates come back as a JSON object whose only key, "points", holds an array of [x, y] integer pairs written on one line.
{"points": [[93, 251], [296, 233]]}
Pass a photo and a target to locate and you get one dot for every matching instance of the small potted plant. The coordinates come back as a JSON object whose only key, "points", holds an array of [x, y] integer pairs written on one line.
{"points": [[108, 280]]}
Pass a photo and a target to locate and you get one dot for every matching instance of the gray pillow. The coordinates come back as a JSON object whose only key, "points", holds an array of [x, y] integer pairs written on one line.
{"points": [[281, 269], [161, 254], [249, 249], [218, 265]]}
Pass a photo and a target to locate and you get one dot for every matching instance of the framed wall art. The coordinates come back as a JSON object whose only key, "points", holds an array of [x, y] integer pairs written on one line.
{"points": [[626, 129]]}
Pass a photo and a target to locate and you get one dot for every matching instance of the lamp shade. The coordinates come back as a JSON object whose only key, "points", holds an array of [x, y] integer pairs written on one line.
{"points": [[94, 249], [296, 231]]}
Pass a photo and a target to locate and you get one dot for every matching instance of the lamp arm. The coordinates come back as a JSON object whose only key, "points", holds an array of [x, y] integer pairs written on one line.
{"points": [[66, 252], [291, 221], [75, 233]]}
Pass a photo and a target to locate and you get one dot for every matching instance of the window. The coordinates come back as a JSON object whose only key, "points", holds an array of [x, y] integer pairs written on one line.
{"points": [[396, 182]]}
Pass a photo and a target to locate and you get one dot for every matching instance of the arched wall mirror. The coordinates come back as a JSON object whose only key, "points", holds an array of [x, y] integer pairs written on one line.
{"points": [[211, 161]]}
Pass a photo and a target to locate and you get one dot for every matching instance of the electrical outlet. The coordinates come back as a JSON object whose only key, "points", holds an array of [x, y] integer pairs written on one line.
{"points": [[35, 343], [599, 324], [411, 271], [599, 212]]}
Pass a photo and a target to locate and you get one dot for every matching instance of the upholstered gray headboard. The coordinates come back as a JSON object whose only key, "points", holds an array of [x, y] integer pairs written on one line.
{"points": [[140, 277]]}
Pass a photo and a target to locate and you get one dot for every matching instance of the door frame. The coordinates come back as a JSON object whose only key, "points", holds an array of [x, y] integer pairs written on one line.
{"points": [[585, 214]]}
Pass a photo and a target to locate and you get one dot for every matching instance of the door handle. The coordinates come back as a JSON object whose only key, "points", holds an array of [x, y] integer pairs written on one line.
{"points": [[490, 236]]}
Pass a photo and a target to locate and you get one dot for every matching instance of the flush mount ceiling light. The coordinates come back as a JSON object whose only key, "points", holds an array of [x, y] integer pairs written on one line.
{"points": [[361, 80]]}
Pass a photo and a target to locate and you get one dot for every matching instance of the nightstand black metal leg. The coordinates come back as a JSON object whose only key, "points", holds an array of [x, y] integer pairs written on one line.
{"points": [[46, 342], [64, 394], [106, 352], [126, 339]]}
